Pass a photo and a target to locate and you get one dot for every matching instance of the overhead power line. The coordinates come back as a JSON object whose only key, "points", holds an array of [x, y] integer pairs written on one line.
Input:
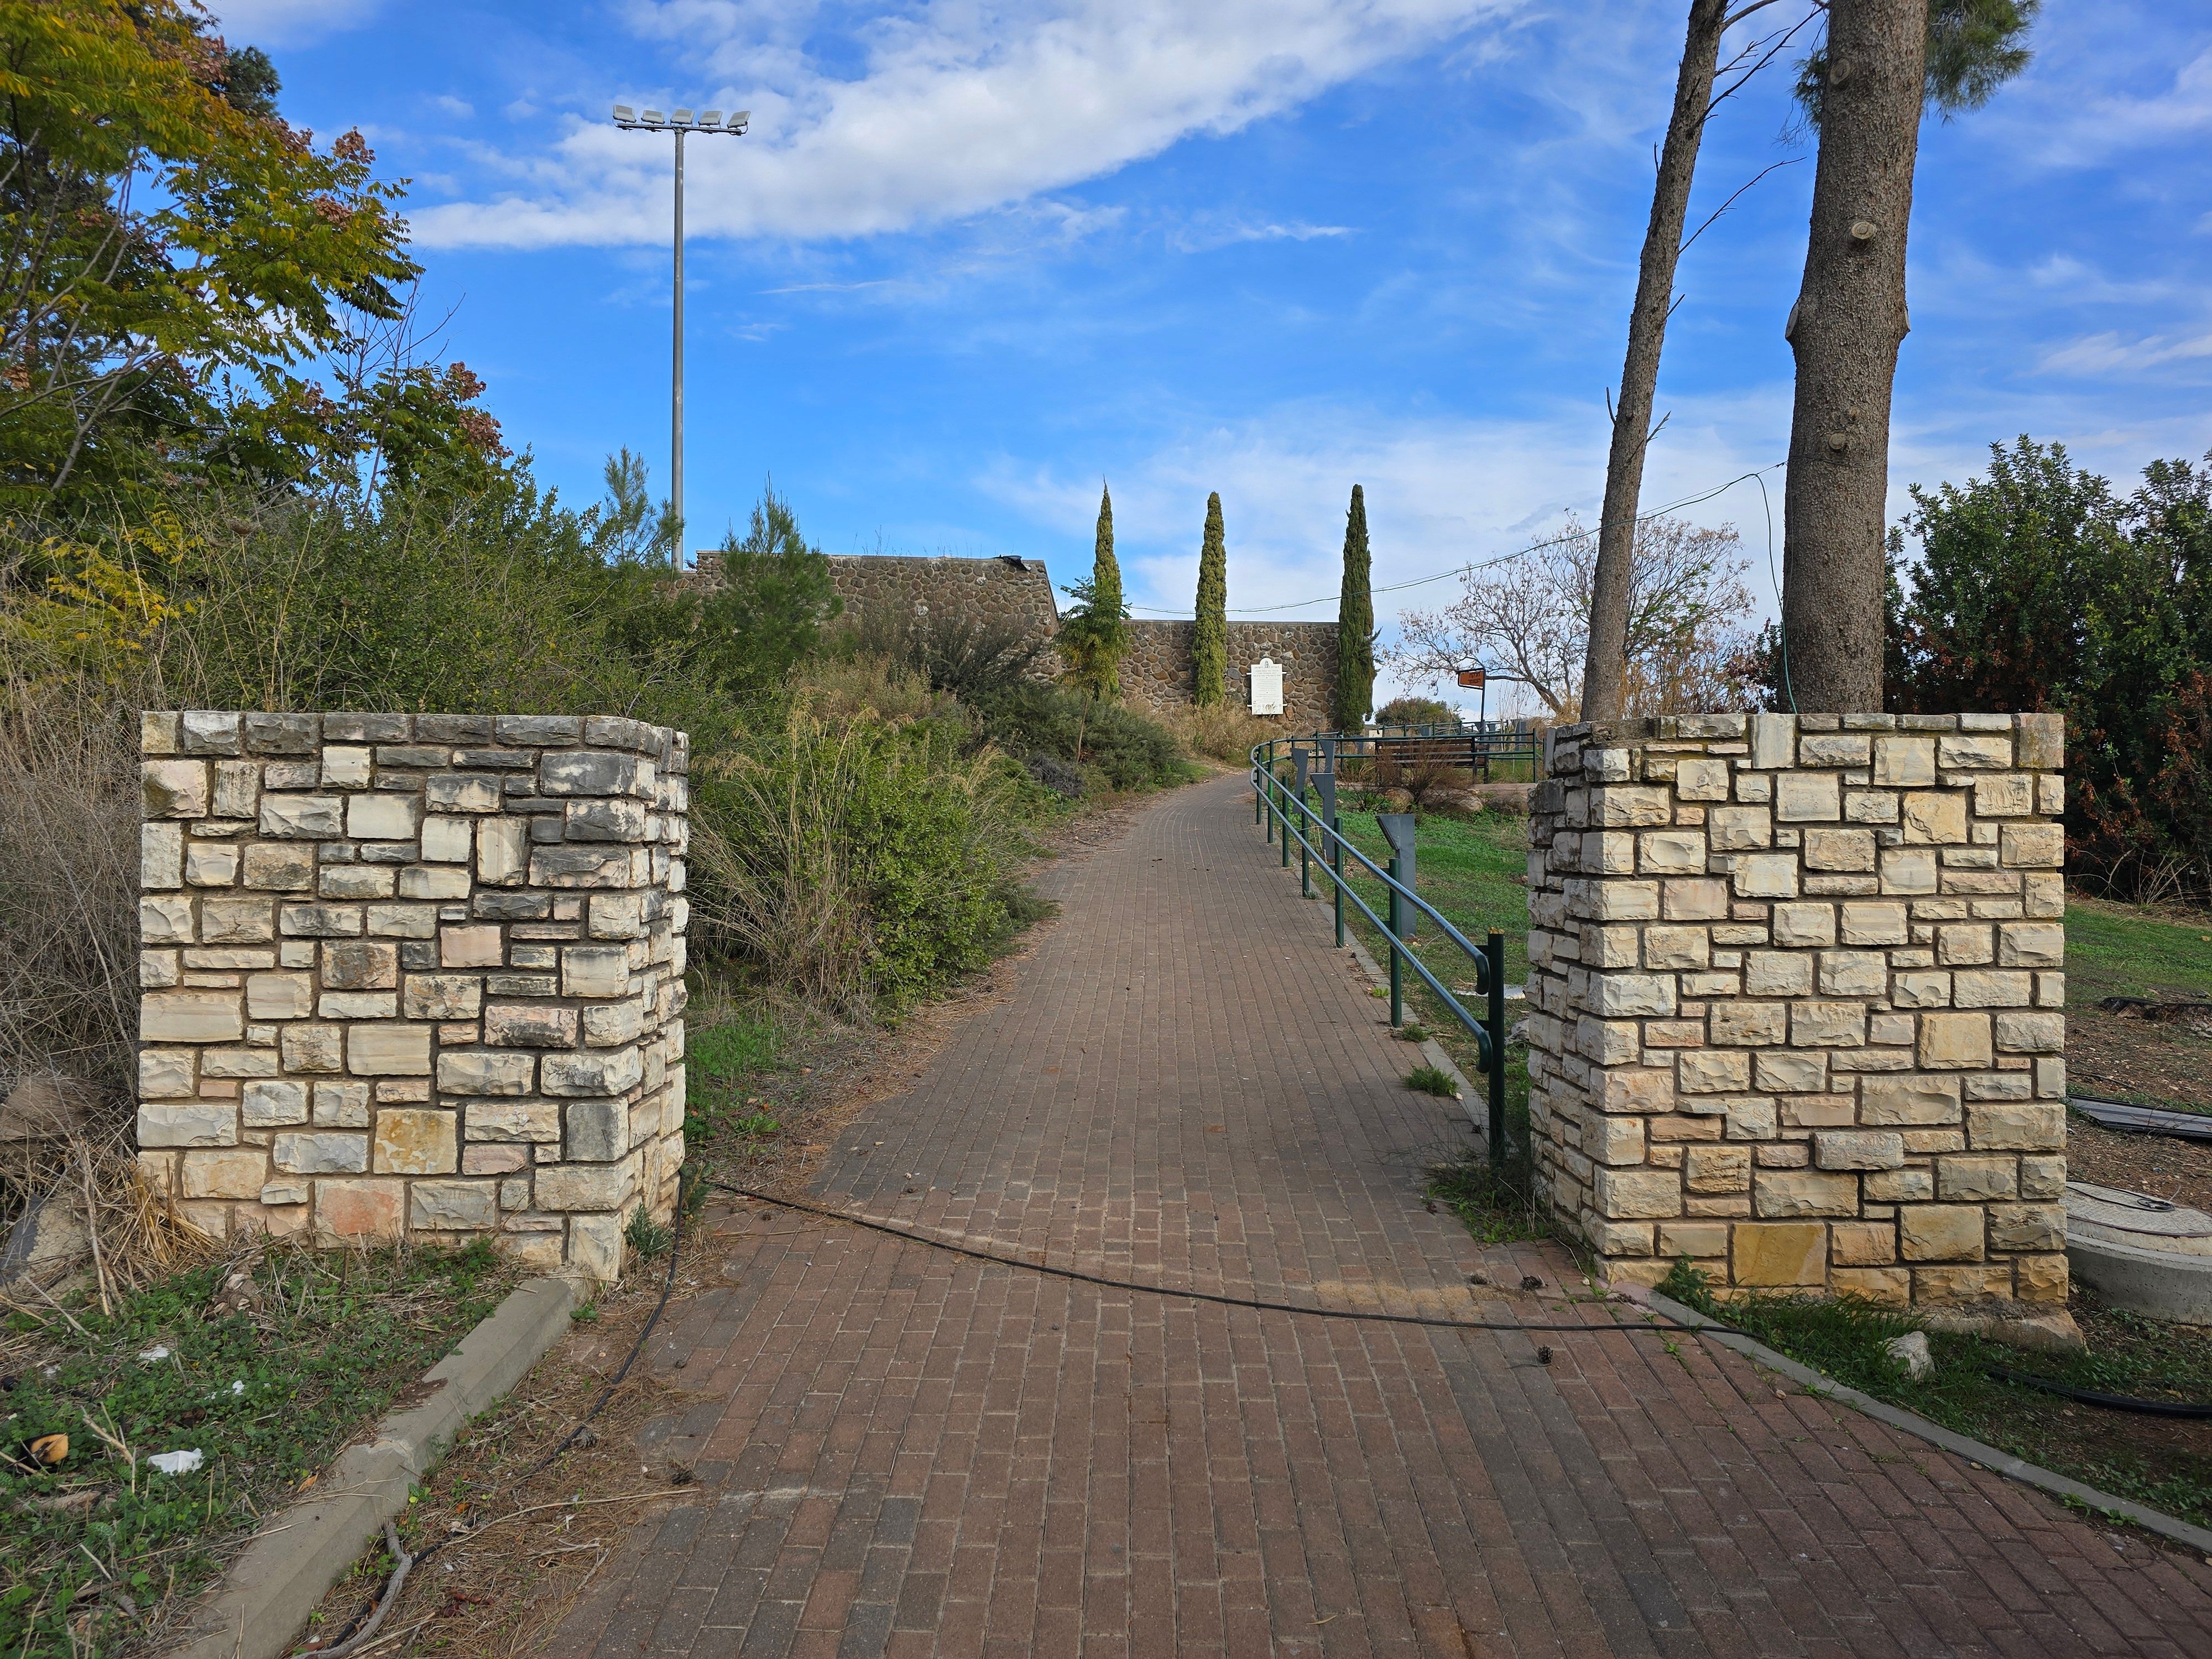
{"points": [[1468, 569]]}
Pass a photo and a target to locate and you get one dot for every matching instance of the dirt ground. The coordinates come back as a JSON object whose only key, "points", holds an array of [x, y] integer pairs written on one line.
{"points": [[2162, 1166], [2109, 1057]]}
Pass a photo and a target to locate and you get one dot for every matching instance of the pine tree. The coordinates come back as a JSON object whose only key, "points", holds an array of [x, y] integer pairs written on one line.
{"points": [[1095, 635], [1209, 639], [1355, 624]]}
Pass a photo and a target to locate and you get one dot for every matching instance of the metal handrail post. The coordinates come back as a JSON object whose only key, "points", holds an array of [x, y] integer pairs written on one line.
{"points": [[1397, 967], [1494, 956], [1336, 869]]}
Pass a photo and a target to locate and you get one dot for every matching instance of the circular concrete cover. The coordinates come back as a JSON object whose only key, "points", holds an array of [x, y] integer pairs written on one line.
{"points": [[2135, 1218]]}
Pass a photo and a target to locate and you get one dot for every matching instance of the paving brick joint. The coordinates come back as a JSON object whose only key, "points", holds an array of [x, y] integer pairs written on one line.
{"points": [[904, 1452]]}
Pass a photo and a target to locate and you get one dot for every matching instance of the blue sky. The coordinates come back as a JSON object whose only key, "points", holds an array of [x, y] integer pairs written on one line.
{"points": [[977, 255]]}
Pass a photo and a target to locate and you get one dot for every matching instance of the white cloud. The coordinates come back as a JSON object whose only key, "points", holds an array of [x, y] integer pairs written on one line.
{"points": [[961, 107], [2110, 353], [453, 106], [288, 22]]}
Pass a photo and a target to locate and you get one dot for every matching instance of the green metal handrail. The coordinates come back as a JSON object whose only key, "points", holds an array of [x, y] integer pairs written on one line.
{"points": [[1276, 801]]}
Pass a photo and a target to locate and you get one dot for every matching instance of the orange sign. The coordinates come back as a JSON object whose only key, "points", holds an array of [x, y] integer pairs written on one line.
{"points": [[1472, 678]]}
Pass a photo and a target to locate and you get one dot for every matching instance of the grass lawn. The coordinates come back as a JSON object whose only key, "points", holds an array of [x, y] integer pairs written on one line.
{"points": [[100, 1548], [2114, 950]]}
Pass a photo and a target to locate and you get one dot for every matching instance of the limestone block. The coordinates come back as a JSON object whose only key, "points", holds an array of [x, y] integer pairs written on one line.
{"points": [[443, 996], [165, 1073], [1747, 1024], [345, 767], [1789, 1072], [1935, 817], [1960, 752], [302, 817], [1700, 900], [1773, 741], [354, 881], [452, 1207], [1716, 1169], [1923, 989], [211, 864], [232, 1173], [1636, 1194], [1908, 1100], [1858, 1149], [1701, 779], [1778, 974], [1785, 1193], [474, 1072], [1629, 806], [1798, 926], [603, 971], [1612, 995], [165, 922], [237, 921], [174, 788], [2039, 1279], [2004, 795], [1901, 762], [269, 1104], [1940, 1232], [2031, 1033], [1713, 1071], [526, 1121], [1839, 849], [2032, 846], [341, 1105], [1954, 1040], [1777, 1254], [1765, 875], [1833, 749], [1828, 1024], [616, 916], [209, 731], [187, 1123], [410, 1140], [1740, 829], [581, 772], [1886, 1286], [279, 866], [611, 1073], [1908, 870], [1910, 1185], [606, 1187], [447, 840], [1990, 988], [433, 881], [1864, 1244], [320, 1153], [388, 1050], [502, 850], [1854, 973], [598, 1130], [529, 1025], [190, 1017], [604, 820], [1872, 922], [1614, 1139], [462, 791], [473, 946], [2042, 742], [359, 965], [2043, 1177], [347, 1209], [609, 1025], [479, 1158], [2016, 1126], [2031, 944], [1976, 1178], [311, 1048], [1807, 798], [320, 921]]}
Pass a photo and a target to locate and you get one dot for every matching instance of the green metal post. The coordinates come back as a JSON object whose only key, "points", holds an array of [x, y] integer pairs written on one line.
{"points": [[1336, 866], [1493, 955], [1285, 814], [1305, 881], [1397, 967]]}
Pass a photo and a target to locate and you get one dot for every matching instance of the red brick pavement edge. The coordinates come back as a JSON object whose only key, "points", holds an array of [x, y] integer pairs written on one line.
{"points": [[901, 1451]]}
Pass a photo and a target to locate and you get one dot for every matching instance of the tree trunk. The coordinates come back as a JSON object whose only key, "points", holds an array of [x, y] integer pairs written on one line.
{"points": [[1605, 671], [1845, 328]]}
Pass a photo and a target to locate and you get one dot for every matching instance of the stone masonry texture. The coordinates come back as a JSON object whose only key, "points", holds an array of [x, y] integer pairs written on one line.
{"points": [[899, 1451], [1157, 669], [413, 976], [1797, 995]]}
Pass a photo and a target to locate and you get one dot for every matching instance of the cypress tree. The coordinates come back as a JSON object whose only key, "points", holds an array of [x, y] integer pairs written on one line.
{"points": [[1095, 635], [1355, 624], [1105, 569], [1209, 639]]}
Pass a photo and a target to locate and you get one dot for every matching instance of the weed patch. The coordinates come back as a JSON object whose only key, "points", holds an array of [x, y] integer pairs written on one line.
{"points": [[1433, 1080], [1496, 1203], [263, 1383]]}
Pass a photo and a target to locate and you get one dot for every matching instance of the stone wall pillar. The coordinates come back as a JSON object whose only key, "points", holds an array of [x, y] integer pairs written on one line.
{"points": [[414, 975], [1797, 1003]]}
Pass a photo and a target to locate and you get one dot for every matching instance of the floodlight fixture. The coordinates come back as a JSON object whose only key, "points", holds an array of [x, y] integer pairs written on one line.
{"points": [[653, 121]]}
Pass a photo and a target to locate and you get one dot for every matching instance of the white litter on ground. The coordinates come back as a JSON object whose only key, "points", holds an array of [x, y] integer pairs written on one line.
{"points": [[177, 1462], [153, 1355]]}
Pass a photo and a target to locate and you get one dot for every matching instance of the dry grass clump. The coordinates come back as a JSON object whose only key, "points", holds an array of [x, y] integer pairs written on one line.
{"points": [[1223, 733]]}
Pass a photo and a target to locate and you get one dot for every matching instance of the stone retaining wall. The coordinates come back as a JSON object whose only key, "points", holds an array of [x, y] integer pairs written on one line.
{"points": [[1797, 1002], [415, 975], [1157, 669]]}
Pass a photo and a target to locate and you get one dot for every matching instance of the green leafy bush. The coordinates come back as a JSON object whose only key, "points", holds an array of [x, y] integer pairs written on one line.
{"points": [[1416, 711], [1130, 750]]}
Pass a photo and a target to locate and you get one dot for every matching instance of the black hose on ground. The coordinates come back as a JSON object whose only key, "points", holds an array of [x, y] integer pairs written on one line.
{"points": [[2111, 1403]]}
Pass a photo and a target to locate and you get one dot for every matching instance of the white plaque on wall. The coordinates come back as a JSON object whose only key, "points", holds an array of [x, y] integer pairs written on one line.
{"points": [[1266, 686]]}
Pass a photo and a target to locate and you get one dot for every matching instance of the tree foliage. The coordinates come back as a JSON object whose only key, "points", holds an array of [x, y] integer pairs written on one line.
{"points": [[1355, 623], [1529, 615], [1209, 634], [174, 253], [1094, 635], [1974, 46], [2038, 587]]}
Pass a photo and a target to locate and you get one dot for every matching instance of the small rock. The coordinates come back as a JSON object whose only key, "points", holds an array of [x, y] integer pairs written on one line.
{"points": [[1531, 1282], [239, 1294], [1910, 1352]]}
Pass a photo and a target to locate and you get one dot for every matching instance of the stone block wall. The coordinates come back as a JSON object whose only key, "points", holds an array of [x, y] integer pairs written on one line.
{"points": [[417, 974], [1157, 669], [1797, 1002]]}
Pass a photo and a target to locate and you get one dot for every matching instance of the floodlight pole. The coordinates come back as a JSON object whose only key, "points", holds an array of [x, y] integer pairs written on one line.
{"points": [[653, 121]]}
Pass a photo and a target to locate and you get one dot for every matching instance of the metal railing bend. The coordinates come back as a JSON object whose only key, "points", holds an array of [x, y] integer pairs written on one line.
{"points": [[1280, 803]]}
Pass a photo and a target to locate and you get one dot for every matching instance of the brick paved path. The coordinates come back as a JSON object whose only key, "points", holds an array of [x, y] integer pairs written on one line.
{"points": [[902, 1451]]}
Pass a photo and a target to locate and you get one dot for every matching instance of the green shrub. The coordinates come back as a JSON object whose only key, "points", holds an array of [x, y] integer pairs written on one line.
{"points": [[1416, 711], [1432, 1080], [1129, 750]]}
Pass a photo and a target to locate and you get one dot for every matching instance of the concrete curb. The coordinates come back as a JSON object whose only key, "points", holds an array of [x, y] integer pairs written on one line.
{"points": [[2013, 1469], [1475, 1105], [262, 1603]]}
